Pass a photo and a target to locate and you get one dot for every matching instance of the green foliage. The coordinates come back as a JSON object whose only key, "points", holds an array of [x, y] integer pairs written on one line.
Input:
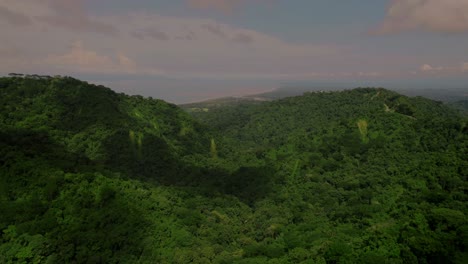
{"points": [[460, 105], [359, 176]]}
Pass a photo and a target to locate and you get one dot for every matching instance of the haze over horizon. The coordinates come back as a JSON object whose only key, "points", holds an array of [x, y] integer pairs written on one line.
{"points": [[190, 50]]}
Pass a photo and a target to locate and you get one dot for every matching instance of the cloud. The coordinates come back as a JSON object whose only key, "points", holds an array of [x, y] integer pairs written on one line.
{"points": [[369, 74], [448, 16], [66, 14], [243, 38], [126, 62], [464, 67], [226, 6], [151, 33], [429, 68], [215, 29], [452, 69], [79, 56], [426, 67], [72, 14], [187, 36], [186, 47], [81, 59], [14, 18]]}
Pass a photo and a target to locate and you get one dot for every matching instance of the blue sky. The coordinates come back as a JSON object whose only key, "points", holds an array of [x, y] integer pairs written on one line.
{"points": [[189, 50]]}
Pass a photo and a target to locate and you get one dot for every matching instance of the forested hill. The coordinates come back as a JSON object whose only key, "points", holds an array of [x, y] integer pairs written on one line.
{"points": [[333, 114], [389, 167], [361, 176], [98, 125]]}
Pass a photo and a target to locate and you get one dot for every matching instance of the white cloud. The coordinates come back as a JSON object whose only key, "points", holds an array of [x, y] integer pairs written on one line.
{"points": [[464, 67], [80, 59], [429, 68], [426, 67], [126, 61], [446, 70], [430, 15]]}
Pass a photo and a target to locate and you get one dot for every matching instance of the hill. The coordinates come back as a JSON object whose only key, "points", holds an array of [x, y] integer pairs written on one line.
{"points": [[371, 159], [359, 176], [452, 96], [82, 168]]}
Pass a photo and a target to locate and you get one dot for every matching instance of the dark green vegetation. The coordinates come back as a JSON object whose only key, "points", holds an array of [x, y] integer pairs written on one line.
{"points": [[461, 106], [361, 176]]}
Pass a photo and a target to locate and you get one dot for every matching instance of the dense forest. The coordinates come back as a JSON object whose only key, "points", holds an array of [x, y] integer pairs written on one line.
{"points": [[367, 175]]}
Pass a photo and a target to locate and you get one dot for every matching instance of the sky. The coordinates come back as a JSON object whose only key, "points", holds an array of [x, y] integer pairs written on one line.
{"points": [[191, 50]]}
